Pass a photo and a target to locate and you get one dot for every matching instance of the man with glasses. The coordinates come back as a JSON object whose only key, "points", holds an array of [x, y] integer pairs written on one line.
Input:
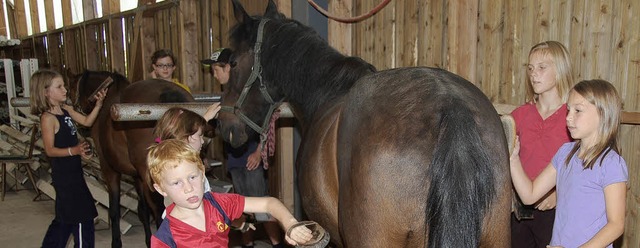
{"points": [[164, 63]]}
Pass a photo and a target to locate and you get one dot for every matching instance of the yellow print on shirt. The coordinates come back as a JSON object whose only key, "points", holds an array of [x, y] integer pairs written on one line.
{"points": [[221, 226]]}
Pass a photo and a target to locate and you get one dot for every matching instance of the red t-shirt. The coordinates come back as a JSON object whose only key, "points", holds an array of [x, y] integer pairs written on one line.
{"points": [[217, 234], [539, 139]]}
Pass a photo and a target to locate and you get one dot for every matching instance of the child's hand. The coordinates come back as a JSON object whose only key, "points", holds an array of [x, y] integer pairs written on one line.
{"points": [[100, 97], [85, 150], [212, 111], [298, 235], [253, 161]]}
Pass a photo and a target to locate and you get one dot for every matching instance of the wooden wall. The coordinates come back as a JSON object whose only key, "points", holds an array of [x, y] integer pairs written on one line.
{"points": [[488, 43]]}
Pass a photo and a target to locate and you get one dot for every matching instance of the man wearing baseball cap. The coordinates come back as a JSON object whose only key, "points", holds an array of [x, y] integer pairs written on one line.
{"points": [[244, 163]]}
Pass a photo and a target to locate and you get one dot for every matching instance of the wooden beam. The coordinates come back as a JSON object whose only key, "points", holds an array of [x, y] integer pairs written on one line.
{"points": [[91, 51], [116, 45], [110, 7], [20, 19], [3, 25], [89, 9], [35, 18], [49, 15], [189, 55], [66, 13], [72, 62]]}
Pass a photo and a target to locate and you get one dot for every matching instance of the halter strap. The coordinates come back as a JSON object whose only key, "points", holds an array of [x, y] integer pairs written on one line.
{"points": [[256, 75]]}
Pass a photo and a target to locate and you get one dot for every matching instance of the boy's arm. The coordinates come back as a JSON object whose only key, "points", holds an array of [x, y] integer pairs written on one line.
{"points": [[615, 196], [276, 209]]}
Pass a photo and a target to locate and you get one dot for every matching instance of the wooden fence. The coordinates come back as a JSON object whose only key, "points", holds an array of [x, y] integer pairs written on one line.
{"points": [[486, 42]]}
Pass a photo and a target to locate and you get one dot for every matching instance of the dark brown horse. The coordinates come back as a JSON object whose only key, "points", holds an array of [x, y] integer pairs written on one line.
{"points": [[122, 146], [408, 157]]}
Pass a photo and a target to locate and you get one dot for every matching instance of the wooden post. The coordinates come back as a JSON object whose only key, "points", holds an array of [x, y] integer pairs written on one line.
{"points": [[35, 18], [20, 19], [67, 20], [189, 55], [50, 15]]}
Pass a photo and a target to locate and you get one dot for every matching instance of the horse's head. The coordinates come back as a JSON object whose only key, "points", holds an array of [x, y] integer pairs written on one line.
{"points": [[249, 98]]}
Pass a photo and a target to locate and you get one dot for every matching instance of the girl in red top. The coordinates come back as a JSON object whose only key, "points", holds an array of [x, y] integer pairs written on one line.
{"points": [[541, 127]]}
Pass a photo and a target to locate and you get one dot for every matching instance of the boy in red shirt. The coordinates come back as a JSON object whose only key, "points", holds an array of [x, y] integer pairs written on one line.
{"points": [[178, 173]]}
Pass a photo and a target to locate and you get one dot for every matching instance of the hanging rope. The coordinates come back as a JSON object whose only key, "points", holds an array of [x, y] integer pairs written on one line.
{"points": [[269, 148], [375, 10]]}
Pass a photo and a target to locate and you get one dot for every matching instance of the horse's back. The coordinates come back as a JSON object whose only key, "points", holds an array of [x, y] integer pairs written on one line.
{"points": [[405, 136]]}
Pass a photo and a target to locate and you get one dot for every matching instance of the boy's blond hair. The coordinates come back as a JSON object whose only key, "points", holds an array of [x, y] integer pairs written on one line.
{"points": [[168, 154], [40, 82], [559, 54], [178, 123]]}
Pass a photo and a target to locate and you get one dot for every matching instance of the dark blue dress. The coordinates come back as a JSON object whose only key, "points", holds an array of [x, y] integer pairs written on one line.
{"points": [[74, 202]]}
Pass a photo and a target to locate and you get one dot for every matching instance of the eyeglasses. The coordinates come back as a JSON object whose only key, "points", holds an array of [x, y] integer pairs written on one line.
{"points": [[165, 66]]}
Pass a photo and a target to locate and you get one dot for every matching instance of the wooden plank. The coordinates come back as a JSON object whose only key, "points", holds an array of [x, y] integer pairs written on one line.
{"points": [[431, 33], [35, 18], [67, 19], [462, 36], [89, 9], [3, 25], [20, 19], [101, 195], [285, 160], [340, 35], [189, 54], [491, 30], [49, 15], [15, 134], [91, 51], [116, 45], [110, 7], [576, 47], [103, 214], [5, 146]]}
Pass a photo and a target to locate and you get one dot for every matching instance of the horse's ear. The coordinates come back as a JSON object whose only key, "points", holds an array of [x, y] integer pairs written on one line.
{"points": [[272, 11], [239, 12]]}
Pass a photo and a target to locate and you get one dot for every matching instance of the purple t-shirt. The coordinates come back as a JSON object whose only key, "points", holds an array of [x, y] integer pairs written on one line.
{"points": [[581, 211]]}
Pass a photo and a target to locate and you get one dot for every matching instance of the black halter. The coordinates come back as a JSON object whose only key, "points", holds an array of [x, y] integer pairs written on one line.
{"points": [[256, 75]]}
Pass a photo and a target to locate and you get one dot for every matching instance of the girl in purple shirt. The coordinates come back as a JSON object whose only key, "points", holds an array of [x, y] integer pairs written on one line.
{"points": [[589, 174]]}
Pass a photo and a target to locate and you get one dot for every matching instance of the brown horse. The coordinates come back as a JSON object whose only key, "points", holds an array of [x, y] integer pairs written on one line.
{"points": [[408, 157], [122, 146]]}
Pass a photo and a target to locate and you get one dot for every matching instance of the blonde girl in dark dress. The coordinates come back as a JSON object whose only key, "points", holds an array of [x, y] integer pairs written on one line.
{"points": [[75, 209]]}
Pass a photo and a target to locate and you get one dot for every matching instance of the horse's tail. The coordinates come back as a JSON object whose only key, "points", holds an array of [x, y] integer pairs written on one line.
{"points": [[462, 183]]}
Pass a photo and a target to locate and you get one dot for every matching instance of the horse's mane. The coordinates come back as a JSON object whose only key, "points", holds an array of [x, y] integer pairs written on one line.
{"points": [[299, 63]]}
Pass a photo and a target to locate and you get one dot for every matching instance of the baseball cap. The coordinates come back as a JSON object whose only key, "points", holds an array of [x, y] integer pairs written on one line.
{"points": [[221, 55]]}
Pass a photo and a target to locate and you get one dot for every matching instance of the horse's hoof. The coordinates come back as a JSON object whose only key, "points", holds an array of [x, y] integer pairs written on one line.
{"points": [[320, 238]]}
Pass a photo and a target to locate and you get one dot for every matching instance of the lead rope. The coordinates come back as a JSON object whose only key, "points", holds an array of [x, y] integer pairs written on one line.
{"points": [[269, 146]]}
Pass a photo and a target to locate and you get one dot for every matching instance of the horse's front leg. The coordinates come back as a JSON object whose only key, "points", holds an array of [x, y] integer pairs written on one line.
{"points": [[318, 176]]}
